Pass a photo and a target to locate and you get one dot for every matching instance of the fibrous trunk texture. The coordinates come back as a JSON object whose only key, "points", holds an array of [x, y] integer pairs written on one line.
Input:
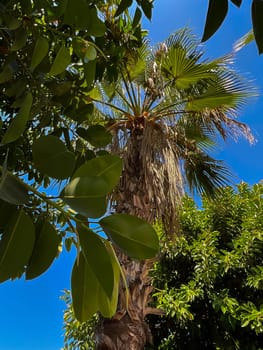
{"points": [[136, 195]]}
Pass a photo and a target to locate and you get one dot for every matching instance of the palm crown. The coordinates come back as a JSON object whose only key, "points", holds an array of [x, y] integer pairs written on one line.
{"points": [[166, 114]]}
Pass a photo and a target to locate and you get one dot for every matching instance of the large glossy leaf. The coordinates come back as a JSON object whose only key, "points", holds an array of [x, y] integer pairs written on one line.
{"points": [[257, 19], [84, 290], [52, 158], [13, 191], [108, 168], [217, 11], [40, 51], [45, 250], [16, 245], [18, 124], [61, 61], [98, 258], [98, 136], [108, 305], [87, 195], [134, 236]]}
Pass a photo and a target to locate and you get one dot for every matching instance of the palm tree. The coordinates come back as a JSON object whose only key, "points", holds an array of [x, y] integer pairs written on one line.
{"points": [[168, 111]]}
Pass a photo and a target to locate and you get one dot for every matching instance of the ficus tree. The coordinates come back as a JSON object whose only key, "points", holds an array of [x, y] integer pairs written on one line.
{"points": [[54, 178]]}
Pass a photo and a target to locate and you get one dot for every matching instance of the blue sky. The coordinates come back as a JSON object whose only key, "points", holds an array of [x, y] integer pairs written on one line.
{"points": [[31, 311]]}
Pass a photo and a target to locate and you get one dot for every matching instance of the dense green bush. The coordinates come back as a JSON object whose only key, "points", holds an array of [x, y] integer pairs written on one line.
{"points": [[209, 280]]}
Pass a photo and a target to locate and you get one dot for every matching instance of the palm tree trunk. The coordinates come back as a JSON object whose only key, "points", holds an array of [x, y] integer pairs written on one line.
{"points": [[127, 329]]}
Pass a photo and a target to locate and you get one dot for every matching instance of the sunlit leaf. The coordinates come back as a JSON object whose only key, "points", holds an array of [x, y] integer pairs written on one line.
{"points": [[98, 258], [108, 305], [91, 53], [134, 236], [108, 167], [84, 290], [87, 195]]}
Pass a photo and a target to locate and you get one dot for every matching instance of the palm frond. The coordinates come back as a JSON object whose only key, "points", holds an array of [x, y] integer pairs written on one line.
{"points": [[205, 174], [244, 41]]}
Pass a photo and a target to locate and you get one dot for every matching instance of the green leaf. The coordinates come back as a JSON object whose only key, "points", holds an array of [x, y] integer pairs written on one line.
{"points": [[98, 258], [216, 14], [61, 61], [18, 124], [16, 245], [77, 14], [257, 20], [13, 191], [213, 100], [87, 195], [124, 4], [44, 252], [51, 157], [134, 236], [108, 305], [237, 2], [95, 26], [17, 88], [137, 17], [20, 39], [98, 136], [7, 210], [84, 290], [91, 53], [108, 168], [6, 74], [40, 51], [147, 6], [90, 72]]}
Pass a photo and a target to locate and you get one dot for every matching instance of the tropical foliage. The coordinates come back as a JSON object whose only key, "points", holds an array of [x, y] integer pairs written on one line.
{"points": [[208, 280], [54, 177], [99, 133]]}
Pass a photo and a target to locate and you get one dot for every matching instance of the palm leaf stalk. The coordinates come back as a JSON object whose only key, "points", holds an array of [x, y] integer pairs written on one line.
{"points": [[170, 109]]}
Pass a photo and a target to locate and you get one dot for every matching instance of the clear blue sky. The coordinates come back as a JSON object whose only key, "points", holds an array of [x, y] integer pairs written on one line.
{"points": [[31, 312]]}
